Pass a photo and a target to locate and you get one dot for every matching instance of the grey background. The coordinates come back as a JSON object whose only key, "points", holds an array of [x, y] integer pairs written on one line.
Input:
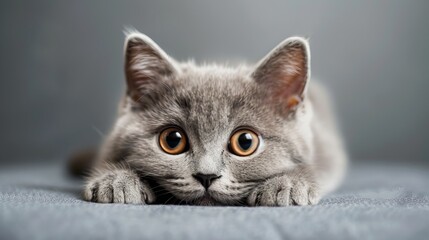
{"points": [[61, 64]]}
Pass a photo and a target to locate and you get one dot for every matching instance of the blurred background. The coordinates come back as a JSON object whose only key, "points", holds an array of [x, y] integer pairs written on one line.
{"points": [[61, 64]]}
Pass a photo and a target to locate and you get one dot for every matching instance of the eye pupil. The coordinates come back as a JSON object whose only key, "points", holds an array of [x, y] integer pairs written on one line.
{"points": [[245, 141], [173, 139]]}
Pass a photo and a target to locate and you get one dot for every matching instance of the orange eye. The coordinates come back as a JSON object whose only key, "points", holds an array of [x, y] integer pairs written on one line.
{"points": [[243, 142], [173, 141]]}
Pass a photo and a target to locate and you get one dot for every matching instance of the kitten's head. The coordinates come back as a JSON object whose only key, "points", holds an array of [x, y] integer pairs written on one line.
{"points": [[208, 134]]}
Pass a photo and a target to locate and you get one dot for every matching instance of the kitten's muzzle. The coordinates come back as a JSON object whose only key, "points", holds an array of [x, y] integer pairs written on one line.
{"points": [[206, 179]]}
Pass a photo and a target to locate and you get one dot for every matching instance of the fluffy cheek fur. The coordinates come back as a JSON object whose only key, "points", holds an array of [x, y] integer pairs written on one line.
{"points": [[171, 173], [242, 174]]}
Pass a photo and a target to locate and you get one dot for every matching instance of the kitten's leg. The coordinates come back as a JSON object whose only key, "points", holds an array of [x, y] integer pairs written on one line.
{"points": [[297, 187], [309, 182], [117, 185]]}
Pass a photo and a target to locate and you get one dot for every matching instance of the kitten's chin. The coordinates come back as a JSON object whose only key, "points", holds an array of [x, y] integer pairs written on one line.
{"points": [[206, 200]]}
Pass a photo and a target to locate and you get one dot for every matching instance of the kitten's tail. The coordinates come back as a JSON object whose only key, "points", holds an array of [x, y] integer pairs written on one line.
{"points": [[81, 163]]}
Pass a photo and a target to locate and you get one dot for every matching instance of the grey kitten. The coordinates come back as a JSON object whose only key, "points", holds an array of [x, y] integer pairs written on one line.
{"points": [[217, 135]]}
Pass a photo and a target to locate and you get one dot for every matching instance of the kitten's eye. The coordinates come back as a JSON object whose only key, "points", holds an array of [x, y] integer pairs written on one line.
{"points": [[243, 142], [173, 141]]}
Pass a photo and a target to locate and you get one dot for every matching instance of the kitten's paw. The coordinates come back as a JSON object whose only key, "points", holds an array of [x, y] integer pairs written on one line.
{"points": [[284, 191], [118, 186]]}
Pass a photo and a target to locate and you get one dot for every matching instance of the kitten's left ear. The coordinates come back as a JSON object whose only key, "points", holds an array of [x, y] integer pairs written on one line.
{"points": [[285, 72], [146, 65]]}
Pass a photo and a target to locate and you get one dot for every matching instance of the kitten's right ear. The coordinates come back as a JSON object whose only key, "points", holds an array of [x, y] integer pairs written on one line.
{"points": [[146, 64], [285, 72]]}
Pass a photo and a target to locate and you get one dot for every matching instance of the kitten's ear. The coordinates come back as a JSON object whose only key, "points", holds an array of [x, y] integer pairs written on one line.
{"points": [[146, 64], [285, 71]]}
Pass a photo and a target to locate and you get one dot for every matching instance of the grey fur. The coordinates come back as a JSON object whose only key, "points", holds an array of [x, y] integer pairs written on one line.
{"points": [[301, 157]]}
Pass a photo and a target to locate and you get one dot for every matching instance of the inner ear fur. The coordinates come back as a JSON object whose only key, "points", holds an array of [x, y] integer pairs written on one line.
{"points": [[285, 72]]}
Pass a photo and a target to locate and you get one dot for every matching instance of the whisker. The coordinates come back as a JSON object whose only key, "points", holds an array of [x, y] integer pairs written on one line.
{"points": [[166, 202], [163, 194]]}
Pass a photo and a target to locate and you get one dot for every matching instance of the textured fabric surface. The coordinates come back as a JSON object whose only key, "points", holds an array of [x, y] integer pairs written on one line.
{"points": [[376, 202]]}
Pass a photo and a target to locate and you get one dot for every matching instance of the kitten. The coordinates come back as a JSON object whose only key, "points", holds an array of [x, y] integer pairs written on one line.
{"points": [[216, 135]]}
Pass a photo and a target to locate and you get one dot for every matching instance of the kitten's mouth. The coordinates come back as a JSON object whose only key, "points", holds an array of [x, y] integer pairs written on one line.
{"points": [[206, 200], [169, 197]]}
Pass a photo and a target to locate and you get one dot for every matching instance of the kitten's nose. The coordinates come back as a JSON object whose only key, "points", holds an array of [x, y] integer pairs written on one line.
{"points": [[206, 179]]}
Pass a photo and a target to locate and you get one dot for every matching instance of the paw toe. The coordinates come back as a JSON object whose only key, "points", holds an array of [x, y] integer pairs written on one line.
{"points": [[268, 198], [299, 195], [133, 195], [313, 196], [118, 187], [105, 193], [283, 197]]}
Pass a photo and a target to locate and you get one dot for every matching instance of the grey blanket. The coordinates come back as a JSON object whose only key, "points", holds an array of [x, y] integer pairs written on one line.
{"points": [[376, 202]]}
